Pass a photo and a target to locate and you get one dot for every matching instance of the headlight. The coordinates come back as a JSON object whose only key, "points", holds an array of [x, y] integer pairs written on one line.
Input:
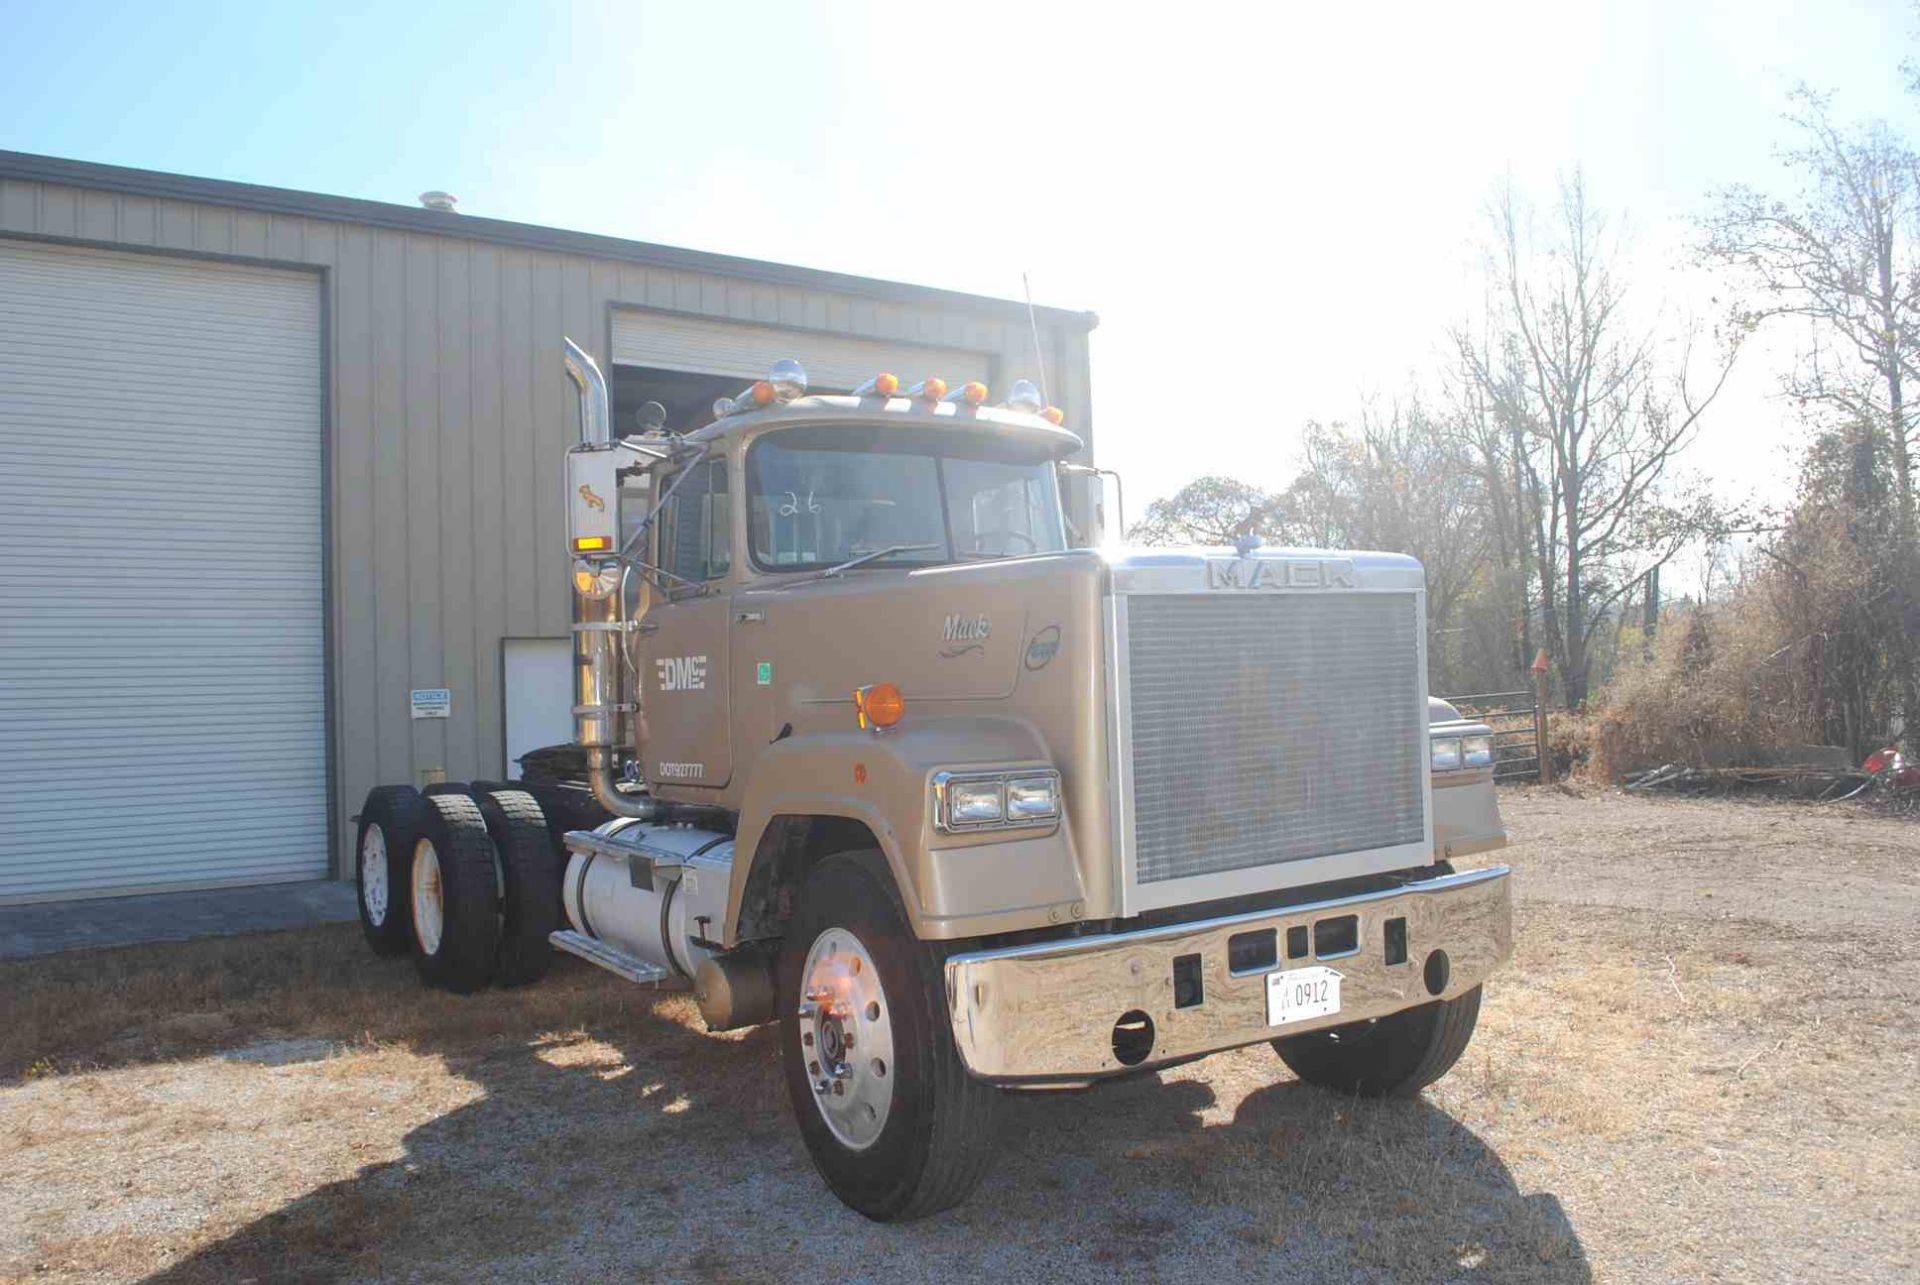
{"points": [[1033, 798], [975, 803], [1476, 751], [1446, 753], [966, 801]]}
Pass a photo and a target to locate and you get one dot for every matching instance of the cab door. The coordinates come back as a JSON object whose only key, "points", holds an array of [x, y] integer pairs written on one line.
{"points": [[685, 710]]}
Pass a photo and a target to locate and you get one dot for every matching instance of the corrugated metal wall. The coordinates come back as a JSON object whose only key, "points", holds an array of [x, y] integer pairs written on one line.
{"points": [[448, 418]]}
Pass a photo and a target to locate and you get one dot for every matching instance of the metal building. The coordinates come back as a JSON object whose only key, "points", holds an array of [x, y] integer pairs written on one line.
{"points": [[280, 493]]}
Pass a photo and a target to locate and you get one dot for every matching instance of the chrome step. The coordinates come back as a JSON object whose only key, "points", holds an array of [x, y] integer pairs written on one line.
{"points": [[611, 958]]}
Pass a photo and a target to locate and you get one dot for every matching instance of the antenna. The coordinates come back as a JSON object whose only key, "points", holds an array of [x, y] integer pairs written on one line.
{"points": [[1033, 327]]}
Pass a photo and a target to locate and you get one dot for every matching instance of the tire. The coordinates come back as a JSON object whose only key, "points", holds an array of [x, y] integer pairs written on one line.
{"points": [[530, 872], [391, 822], [927, 1144], [1392, 1057], [453, 896]]}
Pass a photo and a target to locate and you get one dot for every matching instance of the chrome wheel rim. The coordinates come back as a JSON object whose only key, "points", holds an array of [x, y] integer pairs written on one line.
{"points": [[373, 874], [846, 1037], [429, 915]]}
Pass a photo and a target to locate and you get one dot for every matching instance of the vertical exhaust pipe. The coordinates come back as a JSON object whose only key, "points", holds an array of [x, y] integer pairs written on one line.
{"points": [[599, 616], [595, 418]]}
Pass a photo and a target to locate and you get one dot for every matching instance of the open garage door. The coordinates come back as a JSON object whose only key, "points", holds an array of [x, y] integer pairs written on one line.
{"points": [[162, 664], [835, 363]]}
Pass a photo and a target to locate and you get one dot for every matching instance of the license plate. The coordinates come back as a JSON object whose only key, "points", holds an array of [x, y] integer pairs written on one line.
{"points": [[1301, 993]]}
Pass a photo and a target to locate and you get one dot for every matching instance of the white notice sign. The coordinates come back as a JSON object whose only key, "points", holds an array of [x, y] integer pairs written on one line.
{"points": [[432, 702]]}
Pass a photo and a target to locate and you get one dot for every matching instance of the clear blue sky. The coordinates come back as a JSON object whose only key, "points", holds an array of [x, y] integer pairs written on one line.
{"points": [[1272, 198]]}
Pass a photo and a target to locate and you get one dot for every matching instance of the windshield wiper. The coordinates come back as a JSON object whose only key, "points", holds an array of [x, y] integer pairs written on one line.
{"points": [[865, 558]]}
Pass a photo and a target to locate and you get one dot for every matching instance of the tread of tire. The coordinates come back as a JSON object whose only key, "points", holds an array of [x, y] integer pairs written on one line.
{"points": [[530, 869], [470, 933], [1457, 1022]]}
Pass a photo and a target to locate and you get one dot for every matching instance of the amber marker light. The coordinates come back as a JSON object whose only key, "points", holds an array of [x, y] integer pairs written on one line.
{"points": [[971, 393], [1054, 416], [879, 706], [931, 390], [761, 394], [592, 543], [881, 385]]}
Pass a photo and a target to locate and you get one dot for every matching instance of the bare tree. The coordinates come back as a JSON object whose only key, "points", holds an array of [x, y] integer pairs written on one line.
{"points": [[1843, 255], [1600, 407], [1488, 425], [1213, 511], [1402, 482]]}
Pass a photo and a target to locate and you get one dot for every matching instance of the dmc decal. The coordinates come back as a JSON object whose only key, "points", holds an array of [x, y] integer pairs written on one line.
{"points": [[1044, 647], [682, 673]]}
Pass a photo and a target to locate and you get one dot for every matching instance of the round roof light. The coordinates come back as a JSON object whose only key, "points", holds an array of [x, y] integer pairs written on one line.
{"points": [[789, 379], [1025, 397]]}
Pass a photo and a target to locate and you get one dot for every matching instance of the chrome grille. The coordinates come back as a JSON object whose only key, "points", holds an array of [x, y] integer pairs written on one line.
{"points": [[1272, 727]]}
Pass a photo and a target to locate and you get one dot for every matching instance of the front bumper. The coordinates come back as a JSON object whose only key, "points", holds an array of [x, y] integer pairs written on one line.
{"points": [[1046, 1013]]}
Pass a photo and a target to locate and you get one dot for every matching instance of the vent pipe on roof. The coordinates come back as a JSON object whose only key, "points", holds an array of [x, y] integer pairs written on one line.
{"points": [[437, 200]]}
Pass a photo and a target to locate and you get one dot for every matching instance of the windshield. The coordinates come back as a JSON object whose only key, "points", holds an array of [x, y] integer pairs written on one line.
{"points": [[823, 496]]}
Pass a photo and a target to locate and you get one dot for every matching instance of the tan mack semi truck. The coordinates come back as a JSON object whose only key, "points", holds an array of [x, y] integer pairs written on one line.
{"points": [[866, 747]]}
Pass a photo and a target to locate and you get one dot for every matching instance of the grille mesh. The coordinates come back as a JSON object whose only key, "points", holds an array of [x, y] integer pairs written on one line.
{"points": [[1271, 728]]}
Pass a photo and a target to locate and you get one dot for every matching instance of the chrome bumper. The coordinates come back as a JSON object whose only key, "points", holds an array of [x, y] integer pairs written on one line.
{"points": [[1045, 1013]]}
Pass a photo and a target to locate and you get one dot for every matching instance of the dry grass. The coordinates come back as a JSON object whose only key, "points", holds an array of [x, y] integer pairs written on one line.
{"points": [[1689, 1073]]}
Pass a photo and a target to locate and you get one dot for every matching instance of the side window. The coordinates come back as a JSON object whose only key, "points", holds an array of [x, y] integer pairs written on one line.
{"points": [[694, 530]]}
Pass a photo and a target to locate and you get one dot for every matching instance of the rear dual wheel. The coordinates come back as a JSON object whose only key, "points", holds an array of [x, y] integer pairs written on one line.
{"points": [[464, 878], [530, 870], [453, 896], [391, 822]]}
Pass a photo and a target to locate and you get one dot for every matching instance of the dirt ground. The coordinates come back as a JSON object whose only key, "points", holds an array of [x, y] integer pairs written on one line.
{"points": [[1701, 1066]]}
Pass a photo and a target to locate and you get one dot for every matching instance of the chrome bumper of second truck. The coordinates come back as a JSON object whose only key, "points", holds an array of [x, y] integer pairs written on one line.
{"points": [[1045, 1013]]}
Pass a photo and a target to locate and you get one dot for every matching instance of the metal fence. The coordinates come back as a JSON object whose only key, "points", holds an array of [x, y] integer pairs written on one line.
{"points": [[1517, 731]]}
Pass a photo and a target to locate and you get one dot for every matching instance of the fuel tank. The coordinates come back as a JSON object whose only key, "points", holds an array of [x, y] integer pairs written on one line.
{"points": [[657, 892]]}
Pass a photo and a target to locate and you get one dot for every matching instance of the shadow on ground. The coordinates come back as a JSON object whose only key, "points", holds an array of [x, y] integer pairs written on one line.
{"points": [[671, 1155]]}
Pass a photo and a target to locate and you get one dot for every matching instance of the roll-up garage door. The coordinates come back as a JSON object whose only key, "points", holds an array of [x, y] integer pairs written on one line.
{"points": [[835, 363], [162, 689]]}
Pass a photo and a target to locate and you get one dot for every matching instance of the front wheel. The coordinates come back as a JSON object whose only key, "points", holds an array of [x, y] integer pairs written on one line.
{"points": [[893, 1121], [1390, 1057]]}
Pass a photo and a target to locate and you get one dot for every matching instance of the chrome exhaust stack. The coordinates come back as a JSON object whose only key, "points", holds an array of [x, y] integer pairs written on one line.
{"points": [[595, 413], [600, 626]]}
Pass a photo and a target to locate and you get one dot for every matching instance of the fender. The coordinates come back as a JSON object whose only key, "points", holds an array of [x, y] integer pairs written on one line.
{"points": [[952, 885]]}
